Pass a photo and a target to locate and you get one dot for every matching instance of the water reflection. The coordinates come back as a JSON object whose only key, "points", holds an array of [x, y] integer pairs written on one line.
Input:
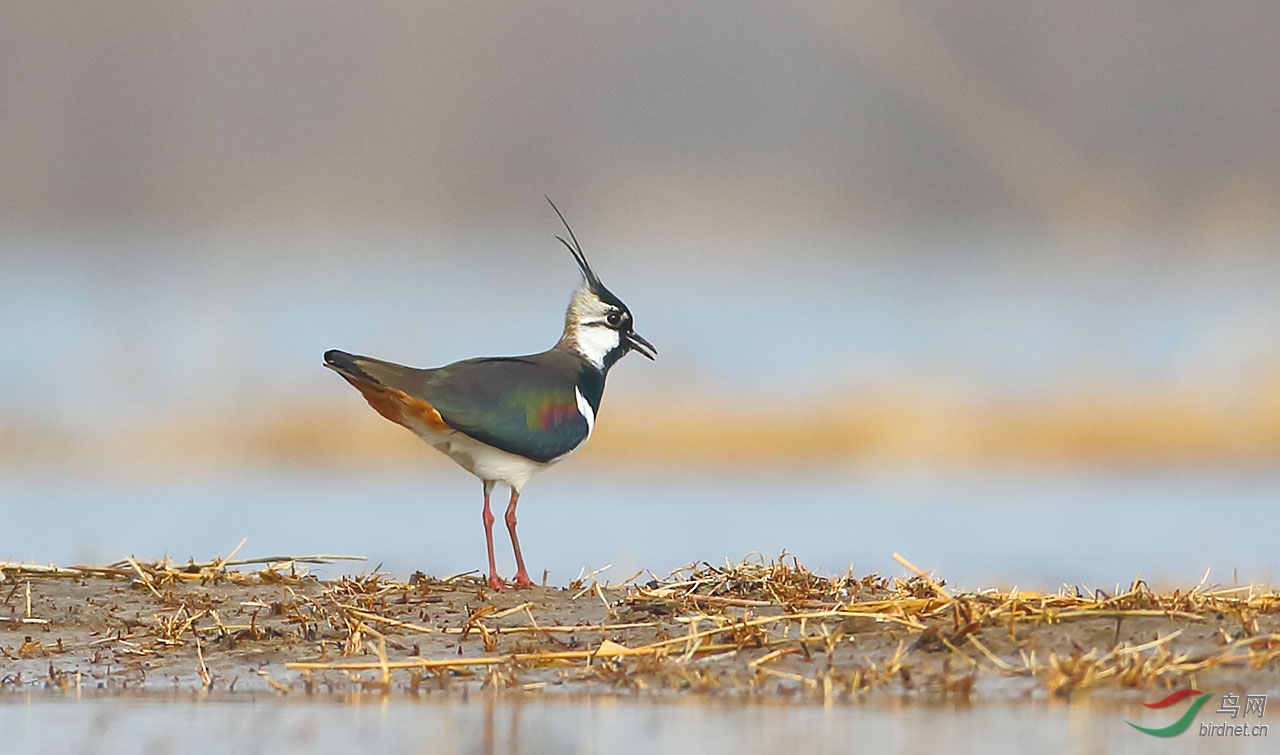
{"points": [[530, 725]]}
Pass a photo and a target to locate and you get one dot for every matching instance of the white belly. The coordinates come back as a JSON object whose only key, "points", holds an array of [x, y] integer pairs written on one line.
{"points": [[486, 462]]}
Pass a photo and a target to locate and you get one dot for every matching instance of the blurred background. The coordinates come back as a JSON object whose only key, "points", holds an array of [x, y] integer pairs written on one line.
{"points": [[992, 284]]}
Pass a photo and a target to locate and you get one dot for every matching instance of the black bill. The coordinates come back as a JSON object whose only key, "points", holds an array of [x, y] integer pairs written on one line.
{"points": [[639, 344]]}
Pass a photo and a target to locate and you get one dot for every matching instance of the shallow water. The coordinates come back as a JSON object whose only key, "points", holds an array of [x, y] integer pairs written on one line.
{"points": [[35, 723], [113, 327], [104, 331], [1036, 528]]}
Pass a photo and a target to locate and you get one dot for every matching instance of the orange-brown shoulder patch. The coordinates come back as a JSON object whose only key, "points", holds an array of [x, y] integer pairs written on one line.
{"points": [[396, 405]]}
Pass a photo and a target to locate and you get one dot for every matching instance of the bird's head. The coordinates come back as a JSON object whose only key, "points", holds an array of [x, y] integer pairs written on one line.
{"points": [[597, 325]]}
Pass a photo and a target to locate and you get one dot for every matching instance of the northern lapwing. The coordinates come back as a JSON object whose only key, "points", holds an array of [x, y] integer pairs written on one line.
{"points": [[504, 419]]}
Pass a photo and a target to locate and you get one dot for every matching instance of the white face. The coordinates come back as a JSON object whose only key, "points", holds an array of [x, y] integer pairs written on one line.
{"points": [[587, 326]]}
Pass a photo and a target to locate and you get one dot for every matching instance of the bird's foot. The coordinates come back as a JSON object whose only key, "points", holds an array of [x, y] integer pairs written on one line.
{"points": [[496, 584], [522, 579]]}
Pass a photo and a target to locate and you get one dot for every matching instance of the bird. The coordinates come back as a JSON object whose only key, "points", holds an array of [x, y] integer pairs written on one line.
{"points": [[504, 419]]}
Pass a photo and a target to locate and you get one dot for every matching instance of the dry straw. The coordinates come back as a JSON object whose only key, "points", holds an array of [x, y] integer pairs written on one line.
{"points": [[756, 627]]}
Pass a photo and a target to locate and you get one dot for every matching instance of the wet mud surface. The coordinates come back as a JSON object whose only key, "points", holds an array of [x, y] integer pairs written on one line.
{"points": [[746, 631]]}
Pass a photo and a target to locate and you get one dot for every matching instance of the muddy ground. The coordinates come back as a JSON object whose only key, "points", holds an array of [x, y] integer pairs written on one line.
{"points": [[768, 629]]}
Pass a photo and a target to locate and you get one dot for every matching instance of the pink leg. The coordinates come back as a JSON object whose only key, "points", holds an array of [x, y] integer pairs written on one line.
{"points": [[522, 576], [494, 582]]}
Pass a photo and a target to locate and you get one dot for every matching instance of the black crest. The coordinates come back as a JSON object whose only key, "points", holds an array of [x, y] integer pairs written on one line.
{"points": [[588, 274]]}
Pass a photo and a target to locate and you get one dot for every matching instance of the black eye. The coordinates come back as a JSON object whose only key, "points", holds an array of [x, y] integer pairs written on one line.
{"points": [[614, 319]]}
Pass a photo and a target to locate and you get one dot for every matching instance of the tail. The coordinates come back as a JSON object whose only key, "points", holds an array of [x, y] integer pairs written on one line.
{"points": [[355, 368], [346, 365], [385, 385]]}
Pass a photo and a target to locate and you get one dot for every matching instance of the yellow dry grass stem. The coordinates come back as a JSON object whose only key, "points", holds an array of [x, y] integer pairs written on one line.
{"points": [[915, 604], [741, 627]]}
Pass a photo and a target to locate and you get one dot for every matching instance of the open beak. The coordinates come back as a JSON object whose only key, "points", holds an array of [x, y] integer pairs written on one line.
{"points": [[639, 344]]}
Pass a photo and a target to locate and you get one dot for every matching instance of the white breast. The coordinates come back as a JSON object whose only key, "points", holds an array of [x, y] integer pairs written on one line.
{"points": [[584, 408]]}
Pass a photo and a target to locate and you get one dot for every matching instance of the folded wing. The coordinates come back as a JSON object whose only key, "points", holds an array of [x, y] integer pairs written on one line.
{"points": [[509, 403]]}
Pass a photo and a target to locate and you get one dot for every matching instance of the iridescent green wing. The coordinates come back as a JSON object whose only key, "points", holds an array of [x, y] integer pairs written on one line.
{"points": [[519, 406]]}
